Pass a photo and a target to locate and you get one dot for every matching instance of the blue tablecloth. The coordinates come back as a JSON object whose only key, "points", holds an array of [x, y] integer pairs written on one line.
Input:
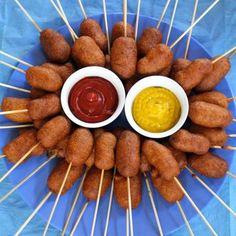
{"points": [[17, 36]]}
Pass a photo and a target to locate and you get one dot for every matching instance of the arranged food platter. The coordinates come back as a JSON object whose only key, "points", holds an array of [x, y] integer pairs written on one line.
{"points": [[139, 119]]}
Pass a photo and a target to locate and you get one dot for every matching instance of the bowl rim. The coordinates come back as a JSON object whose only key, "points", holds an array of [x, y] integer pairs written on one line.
{"points": [[157, 81], [90, 71]]}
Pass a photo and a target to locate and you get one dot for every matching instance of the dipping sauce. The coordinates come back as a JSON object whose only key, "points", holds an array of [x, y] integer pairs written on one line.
{"points": [[156, 109], [93, 99]]}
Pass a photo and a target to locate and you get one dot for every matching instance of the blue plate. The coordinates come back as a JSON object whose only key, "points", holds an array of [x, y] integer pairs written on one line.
{"points": [[144, 222]]}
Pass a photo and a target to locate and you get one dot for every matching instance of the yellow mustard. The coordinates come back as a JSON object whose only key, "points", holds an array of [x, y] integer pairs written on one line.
{"points": [[156, 109]]}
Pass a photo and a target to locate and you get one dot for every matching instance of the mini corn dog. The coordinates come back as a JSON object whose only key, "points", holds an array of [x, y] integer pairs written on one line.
{"points": [[79, 147], [185, 141], [161, 158], [209, 115], [209, 165]]}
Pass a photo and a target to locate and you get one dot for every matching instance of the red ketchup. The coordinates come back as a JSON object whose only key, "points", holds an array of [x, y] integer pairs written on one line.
{"points": [[93, 99]]}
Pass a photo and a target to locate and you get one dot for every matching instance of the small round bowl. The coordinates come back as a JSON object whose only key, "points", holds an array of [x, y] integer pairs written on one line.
{"points": [[157, 81], [90, 72]]}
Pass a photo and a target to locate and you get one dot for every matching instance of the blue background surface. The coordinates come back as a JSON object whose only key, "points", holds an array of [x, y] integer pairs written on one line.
{"points": [[18, 36]]}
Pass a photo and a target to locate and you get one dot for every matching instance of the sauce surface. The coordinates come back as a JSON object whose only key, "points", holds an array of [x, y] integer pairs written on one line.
{"points": [[93, 99], [156, 109]]}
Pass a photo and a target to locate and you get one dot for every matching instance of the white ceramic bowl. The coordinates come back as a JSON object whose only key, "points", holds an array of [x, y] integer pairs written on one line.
{"points": [[89, 72], [157, 81]]}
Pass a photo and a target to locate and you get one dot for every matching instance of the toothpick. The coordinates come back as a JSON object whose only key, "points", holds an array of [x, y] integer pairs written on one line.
{"points": [[57, 199], [106, 25], [18, 162], [231, 174], [82, 9], [171, 22], [185, 218], [79, 218], [195, 207], [66, 22], [13, 112], [13, 67], [153, 204], [16, 126], [110, 203], [65, 19], [26, 178], [74, 202], [163, 13], [125, 17], [2, 156], [233, 120], [15, 88], [211, 191], [28, 16], [190, 32], [232, 135], [225, 54], [224, 147], [127, 222], [192, 25], [137, 19], [33, 214], [97, 203], [15, 58], [130, 207]]}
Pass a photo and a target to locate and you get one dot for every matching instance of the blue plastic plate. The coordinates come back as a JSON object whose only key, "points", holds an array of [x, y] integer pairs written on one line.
{"points": [[144, 222]]}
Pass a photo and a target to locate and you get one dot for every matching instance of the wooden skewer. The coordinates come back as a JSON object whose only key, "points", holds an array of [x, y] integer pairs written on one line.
{"points": [[192, 25], [2, 156], [171, 22], [74, 202], [153, 204], [28, 16], [231, 99], [82, 9], [137, 20], [79, 218], [195, 207], [15, 58], [97, 203], [15, 88], [27, 178], [106, 25], [18, 162], [233, 120], [65, 21], [110, 203], [190, 32], [185, 218], [224, 147], [130, 207], [211, 191], [16, 126], [72, 32], [225, 54], [232, 54], [13, 112], [125, 17], [232, 135], [33, 214], [163, 13], [231, 174], [127, 222], [13, 67], [57, 199]]}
